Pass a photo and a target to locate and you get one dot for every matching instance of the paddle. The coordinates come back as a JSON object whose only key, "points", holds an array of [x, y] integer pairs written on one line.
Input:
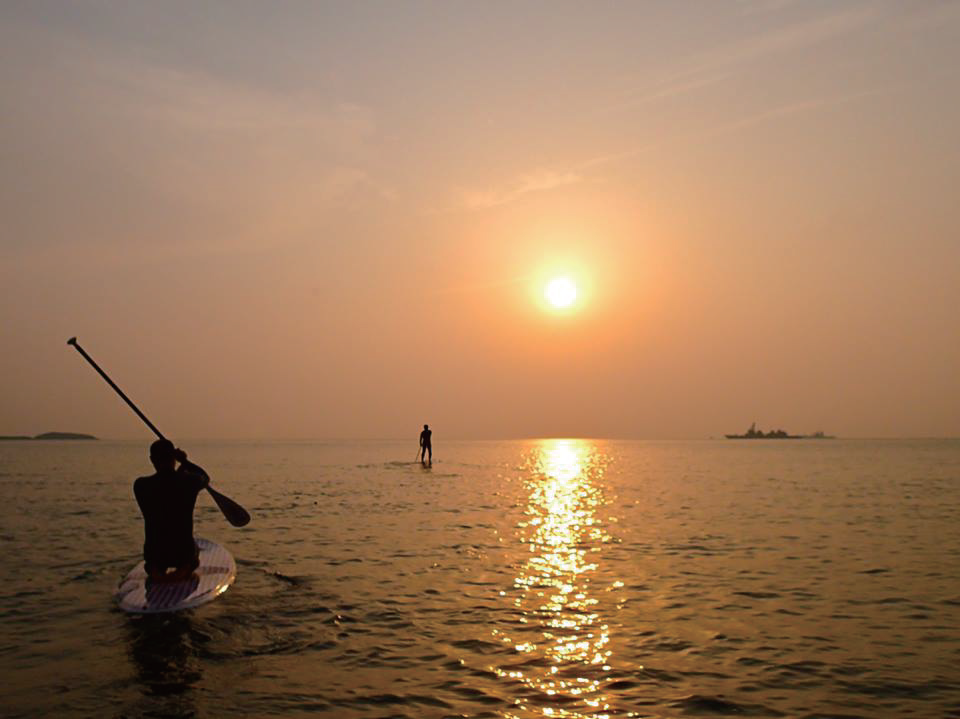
{"points": [[235, 514]]}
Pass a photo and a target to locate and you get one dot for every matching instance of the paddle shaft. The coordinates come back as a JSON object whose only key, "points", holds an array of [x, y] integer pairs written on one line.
{"points": [[73, 341]]}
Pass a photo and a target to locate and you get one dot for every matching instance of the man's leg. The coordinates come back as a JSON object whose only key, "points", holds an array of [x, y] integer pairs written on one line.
{"points": [[155, 572], [181, 572], [186, 570]]}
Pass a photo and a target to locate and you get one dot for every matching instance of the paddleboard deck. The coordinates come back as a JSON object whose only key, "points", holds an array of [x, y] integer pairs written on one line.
{"points": [[217, 571]]}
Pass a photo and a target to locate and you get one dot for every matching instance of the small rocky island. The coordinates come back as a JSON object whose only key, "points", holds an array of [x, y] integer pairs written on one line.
{"points": [[754, 433], [50, 435]]}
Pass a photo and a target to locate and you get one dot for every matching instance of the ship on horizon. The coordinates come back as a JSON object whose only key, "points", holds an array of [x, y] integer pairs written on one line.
{"points": [[754, 433]]}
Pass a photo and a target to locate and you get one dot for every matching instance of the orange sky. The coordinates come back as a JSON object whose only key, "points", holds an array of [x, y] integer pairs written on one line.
{"points": [[308, 221]]}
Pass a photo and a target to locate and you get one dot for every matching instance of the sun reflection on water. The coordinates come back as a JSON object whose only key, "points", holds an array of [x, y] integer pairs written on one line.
{"points": [[561, 637]]}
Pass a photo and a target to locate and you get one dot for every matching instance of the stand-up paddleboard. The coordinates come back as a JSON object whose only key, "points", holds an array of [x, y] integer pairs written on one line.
{"points": [[212, 578]]}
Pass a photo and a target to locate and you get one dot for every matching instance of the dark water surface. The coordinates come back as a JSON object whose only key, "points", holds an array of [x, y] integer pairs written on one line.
{"points": [[554, 578]]}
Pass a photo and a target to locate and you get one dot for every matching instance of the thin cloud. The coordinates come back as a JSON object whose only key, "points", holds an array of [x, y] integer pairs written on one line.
{"points": [[794, 108], [799, 35], [741, 123], [474, 287], [676, 86], [539, 181], [240, 166], [723, 63], [703, 71], [758, 7]]}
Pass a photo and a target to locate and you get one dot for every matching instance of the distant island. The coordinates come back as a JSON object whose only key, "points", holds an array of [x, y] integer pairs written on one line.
{"points": [[754, 433], [51, 435]]}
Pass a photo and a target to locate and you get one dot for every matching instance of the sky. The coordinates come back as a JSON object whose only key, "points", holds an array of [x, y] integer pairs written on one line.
{"points": [[336, 220]]}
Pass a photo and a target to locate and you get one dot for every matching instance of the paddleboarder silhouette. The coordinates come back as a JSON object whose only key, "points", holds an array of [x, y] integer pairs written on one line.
{"points": [[426, 447], [166, 500]]}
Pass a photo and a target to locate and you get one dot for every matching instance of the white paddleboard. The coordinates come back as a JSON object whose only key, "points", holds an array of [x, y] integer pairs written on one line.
{"points": [[215, 574]]}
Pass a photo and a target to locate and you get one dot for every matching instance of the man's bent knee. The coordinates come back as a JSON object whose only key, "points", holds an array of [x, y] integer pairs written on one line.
{"points": [[172, 573]]}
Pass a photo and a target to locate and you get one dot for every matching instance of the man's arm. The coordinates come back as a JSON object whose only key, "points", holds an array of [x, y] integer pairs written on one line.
{"points": [[138, 490], [188, 467]]}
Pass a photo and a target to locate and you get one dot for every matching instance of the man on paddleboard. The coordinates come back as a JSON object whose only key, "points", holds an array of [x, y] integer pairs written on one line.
{"points": [[426, 448], [166, 500]]}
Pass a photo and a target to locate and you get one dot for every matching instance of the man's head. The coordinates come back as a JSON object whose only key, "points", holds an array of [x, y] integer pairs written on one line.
{"points": [[426, 426], [163, 455]]}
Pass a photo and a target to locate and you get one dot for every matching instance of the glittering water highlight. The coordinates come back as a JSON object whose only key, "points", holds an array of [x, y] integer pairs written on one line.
{"points": [[553, 592]]}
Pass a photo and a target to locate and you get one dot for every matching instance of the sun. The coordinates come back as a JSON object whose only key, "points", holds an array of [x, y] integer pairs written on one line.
{"points": [[561, 292]]}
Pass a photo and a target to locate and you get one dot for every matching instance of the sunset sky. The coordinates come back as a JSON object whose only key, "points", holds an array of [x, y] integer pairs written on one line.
{"points": [[329, 220]]}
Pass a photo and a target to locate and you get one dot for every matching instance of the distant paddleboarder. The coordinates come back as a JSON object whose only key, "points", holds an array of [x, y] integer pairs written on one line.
{"points": [[166, 500], [426, 448]]}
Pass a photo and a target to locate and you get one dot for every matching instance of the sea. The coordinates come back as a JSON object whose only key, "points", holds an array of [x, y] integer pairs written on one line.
{"points": [[553, 578]]}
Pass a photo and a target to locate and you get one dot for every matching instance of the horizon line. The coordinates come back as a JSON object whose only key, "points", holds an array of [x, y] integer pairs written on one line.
{"points": [[20, 437]]}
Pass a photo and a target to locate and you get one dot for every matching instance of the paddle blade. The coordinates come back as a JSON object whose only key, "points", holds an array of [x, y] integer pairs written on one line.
{"points": [[235, 514]]}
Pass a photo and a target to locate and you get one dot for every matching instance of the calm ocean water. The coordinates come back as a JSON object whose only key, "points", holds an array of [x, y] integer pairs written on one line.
{"points": [[553, 578]]}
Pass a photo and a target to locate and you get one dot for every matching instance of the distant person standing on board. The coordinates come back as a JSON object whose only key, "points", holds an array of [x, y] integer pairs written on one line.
{"points": [[166, 500], [426, 448]]}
